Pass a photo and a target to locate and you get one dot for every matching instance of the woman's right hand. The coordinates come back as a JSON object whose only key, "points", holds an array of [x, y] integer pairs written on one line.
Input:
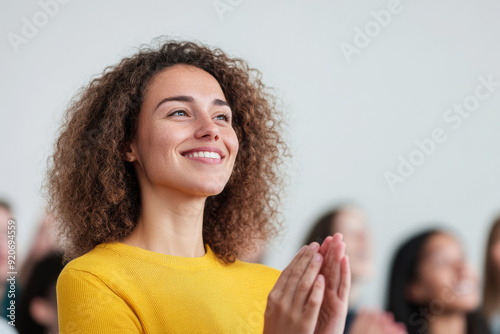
{"points": [[294, 303]]}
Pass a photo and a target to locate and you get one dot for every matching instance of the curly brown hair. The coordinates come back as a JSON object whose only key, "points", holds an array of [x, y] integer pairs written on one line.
{"points": [[94, 191]]}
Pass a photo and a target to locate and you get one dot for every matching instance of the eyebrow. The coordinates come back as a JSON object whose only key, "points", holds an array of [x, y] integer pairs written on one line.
{"points": [[189, 99]]}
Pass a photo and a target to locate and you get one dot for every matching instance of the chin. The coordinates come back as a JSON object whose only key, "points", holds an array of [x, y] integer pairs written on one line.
{"points": [[465, 304], [200, 187], [207, 191]]}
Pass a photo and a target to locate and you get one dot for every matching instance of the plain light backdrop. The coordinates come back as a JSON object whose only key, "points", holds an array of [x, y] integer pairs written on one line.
{"points": [[352, 114]]}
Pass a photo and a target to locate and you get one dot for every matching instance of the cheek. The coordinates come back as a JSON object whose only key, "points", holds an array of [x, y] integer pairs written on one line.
{"points": [[231, 142], [160, 140], [439, 280], [353, 248]]}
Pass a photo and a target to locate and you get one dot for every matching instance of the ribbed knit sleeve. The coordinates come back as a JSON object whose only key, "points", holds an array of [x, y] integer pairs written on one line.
{"points": [[86, 304]]}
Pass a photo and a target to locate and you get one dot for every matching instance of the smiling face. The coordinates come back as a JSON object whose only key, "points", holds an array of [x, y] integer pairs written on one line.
{"points": [[444, 276], [184, 141]]}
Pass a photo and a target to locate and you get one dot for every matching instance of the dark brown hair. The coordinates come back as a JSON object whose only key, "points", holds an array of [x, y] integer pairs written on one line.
{"points": [[5, 205], [94, 192], [324, 226], [491, 288]]}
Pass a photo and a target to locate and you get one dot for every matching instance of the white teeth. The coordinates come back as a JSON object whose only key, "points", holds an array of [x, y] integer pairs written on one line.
{"points": [[213, 155], [464, 287]]}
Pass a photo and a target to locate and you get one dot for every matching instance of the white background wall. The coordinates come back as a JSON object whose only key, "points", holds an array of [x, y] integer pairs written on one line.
{"points": [[349, 122]]}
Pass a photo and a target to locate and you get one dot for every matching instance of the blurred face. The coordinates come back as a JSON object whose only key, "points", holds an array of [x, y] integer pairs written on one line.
{"points": [[4, 218], [495, 251], [185, 141], [444, 277], [352, 224]]}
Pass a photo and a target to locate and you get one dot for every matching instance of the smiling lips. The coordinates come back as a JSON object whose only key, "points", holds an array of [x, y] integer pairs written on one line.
{"points": [[464, 287], [209, 157], [213, 155]]}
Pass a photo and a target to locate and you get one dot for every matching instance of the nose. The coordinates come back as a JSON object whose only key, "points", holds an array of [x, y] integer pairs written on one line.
{"points": [[206, 128]]}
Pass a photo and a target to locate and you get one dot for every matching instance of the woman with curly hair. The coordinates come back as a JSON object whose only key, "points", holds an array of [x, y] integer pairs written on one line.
{"points": [[165, 172]]}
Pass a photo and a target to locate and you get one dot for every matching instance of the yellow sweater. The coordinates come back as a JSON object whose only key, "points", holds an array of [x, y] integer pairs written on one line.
{"points": [[118, 288]]}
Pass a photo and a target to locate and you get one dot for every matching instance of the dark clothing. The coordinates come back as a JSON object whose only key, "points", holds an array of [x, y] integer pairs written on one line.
{"points": [[476, 324], [351, 314]]}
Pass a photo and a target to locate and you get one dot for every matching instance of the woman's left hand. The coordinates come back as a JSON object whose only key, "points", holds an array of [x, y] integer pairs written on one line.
{"points": [[335, 269]]}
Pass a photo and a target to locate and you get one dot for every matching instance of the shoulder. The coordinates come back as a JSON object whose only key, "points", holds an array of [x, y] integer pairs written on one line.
{"points": [[94, 259], [92, 294], [100, 266]]}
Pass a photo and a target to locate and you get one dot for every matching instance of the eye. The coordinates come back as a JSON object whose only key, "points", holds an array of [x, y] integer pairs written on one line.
{"points": [[179, 112], [223, 117]]}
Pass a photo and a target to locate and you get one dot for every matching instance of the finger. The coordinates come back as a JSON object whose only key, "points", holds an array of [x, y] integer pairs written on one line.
{"points": [[360, 323], [389, 316], [327, 263], [389, 320], [371, 325], [298, 271], [401, 327], [285, 274], [306, 282], [338, 255], [335, 239], [338, 237], [345, 279], [315, 299], [333, 270]]}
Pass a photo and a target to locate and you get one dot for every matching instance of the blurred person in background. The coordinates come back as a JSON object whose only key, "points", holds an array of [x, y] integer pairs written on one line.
{"points": [[432, 289], [351, 222], [42, 244], [37, 312], [5, 215], [491, 292]]}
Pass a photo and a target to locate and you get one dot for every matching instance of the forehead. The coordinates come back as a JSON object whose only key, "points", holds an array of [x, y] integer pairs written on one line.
{"points": [[183, 80], [349, 219], [439, 243]]}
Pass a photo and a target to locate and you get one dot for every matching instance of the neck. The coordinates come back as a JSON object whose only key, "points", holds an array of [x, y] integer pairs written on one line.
{"points": [[171, 222], [448, 323]]}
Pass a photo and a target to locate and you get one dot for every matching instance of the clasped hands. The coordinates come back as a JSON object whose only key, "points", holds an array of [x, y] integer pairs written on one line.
{"points": [[311, 295]]}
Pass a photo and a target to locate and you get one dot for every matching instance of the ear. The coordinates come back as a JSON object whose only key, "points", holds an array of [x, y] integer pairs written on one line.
{"points": [[416, 293], [42, 311], [127, 152]]}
